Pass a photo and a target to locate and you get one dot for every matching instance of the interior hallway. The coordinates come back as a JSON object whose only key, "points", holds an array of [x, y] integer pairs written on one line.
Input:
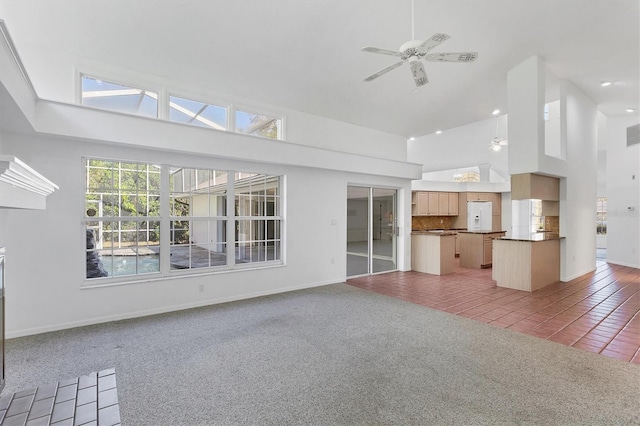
{"points": [[598, 312]]}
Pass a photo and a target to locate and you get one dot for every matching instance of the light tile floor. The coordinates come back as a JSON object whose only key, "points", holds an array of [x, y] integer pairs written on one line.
{"points": [[597, 312], [89, 400]]}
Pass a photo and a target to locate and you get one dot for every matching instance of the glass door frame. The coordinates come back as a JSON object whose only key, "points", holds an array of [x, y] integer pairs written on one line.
{"points": [[371, 256]]}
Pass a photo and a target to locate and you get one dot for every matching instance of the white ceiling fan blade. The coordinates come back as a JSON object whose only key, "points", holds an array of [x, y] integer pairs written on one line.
{"points": [[420, 77], [435, 40], [381, 51], [384, 71], [452, 57]]}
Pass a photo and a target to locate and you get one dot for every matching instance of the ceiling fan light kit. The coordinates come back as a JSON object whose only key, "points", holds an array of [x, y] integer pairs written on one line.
{"points": [[497, 143]]}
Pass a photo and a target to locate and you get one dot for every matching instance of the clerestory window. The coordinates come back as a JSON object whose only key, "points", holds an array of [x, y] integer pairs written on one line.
{"points": [[116, 97]]}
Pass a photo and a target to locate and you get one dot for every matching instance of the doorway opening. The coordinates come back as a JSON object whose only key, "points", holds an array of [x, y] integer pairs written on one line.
{"points": [[371, 230]]}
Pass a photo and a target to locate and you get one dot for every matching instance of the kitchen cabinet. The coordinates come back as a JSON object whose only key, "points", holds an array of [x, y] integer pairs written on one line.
{"points": [[433, 203], [487, 255], [526, 186], [433, 209], [420, 203], [479, 196], [526, 265], [496, 203], [447, 203], [433, 253], [476, 248], [550, 208], [453, 204]]}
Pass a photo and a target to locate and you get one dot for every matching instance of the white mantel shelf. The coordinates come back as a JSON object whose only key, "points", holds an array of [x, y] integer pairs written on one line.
{"points": [[21, 187]]}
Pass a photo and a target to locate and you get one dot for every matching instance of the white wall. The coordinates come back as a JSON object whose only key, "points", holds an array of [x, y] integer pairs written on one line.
{"points": [[601, 240], [578, 190], [461, 147], [623, 193], [45, 249]]}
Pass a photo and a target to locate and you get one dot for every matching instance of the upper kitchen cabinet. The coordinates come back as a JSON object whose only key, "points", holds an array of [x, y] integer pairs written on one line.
{"points": [[479, 196], [429, 203], [526, 186], [419, 203], [434, 204], [447, 204]]}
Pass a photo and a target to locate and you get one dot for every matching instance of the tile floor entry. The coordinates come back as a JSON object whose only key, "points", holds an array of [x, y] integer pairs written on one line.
{"points": [[90, 400], [598, 312]]}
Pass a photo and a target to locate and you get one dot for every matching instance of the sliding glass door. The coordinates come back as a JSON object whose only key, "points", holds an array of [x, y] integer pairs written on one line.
{"points": [[371, 230]]}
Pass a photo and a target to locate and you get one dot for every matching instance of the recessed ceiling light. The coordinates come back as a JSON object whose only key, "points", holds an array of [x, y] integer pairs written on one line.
{"points": [[631, 110], [438, 132], [606, 83], [412, 138], [495, 112]]}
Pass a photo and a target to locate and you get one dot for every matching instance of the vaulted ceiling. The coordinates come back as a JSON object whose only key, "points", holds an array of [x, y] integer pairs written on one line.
{"points": [[306, 55]]}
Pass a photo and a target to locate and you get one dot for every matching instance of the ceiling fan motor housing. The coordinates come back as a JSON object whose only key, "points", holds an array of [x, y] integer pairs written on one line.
{"points": [[410, 48]]}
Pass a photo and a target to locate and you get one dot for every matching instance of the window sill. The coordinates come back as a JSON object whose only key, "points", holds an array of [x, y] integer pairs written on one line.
{"points": [[173, 275]]}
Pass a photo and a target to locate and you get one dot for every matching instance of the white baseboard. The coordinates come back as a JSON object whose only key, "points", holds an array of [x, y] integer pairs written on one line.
{"points": [[617, 262], [162, 310], [565, 279]]}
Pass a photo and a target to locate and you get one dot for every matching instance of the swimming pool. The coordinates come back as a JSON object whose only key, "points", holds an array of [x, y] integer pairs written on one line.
{"points": [[131, 265]]}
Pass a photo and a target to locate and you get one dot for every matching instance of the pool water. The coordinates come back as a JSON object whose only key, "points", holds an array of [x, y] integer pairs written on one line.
{"points": [[126, 265]]}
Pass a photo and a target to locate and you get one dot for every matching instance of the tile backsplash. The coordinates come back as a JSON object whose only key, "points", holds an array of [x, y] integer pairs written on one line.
{"points": [[552, 223], [420, 223]]}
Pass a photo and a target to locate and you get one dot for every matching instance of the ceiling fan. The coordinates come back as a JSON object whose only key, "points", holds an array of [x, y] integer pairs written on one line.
{"points": [[497, 143], [414, 50]]}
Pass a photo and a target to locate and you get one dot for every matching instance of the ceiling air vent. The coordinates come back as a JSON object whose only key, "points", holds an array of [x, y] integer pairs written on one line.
{"points": [[633, 135]]}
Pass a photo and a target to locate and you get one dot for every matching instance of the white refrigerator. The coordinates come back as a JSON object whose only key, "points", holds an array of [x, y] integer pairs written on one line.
{"points": [[479, 216]]}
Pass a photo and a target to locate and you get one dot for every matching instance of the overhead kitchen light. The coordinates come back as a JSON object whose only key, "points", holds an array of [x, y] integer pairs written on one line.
{"points": [[495, 112], [412, 138], [606, 83], [631, 110], [438, 132]]}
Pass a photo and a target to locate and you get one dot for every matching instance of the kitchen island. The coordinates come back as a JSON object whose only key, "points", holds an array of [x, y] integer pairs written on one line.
{"points": [[527, 262], [433, 252], [476, 248]]}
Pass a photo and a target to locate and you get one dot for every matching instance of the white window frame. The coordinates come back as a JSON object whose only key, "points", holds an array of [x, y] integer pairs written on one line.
{"points": [[164, 93], [266, 113], [165, 271], [158, 91], [201, 99]]}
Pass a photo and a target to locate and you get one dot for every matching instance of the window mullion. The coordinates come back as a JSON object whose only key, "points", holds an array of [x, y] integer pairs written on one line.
{"points": [[165, 221], [231, 219]]}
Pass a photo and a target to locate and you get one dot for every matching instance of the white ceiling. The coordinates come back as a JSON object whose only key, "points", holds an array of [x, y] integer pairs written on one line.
{"points": [[305, 54]]}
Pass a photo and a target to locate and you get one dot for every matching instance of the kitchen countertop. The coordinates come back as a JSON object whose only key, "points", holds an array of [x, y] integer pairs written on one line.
{"points": [[480, 232], [534, 236], [435, 233]]}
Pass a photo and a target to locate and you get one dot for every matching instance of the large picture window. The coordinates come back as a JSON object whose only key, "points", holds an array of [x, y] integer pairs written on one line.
{"points": [[126, 214]]}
